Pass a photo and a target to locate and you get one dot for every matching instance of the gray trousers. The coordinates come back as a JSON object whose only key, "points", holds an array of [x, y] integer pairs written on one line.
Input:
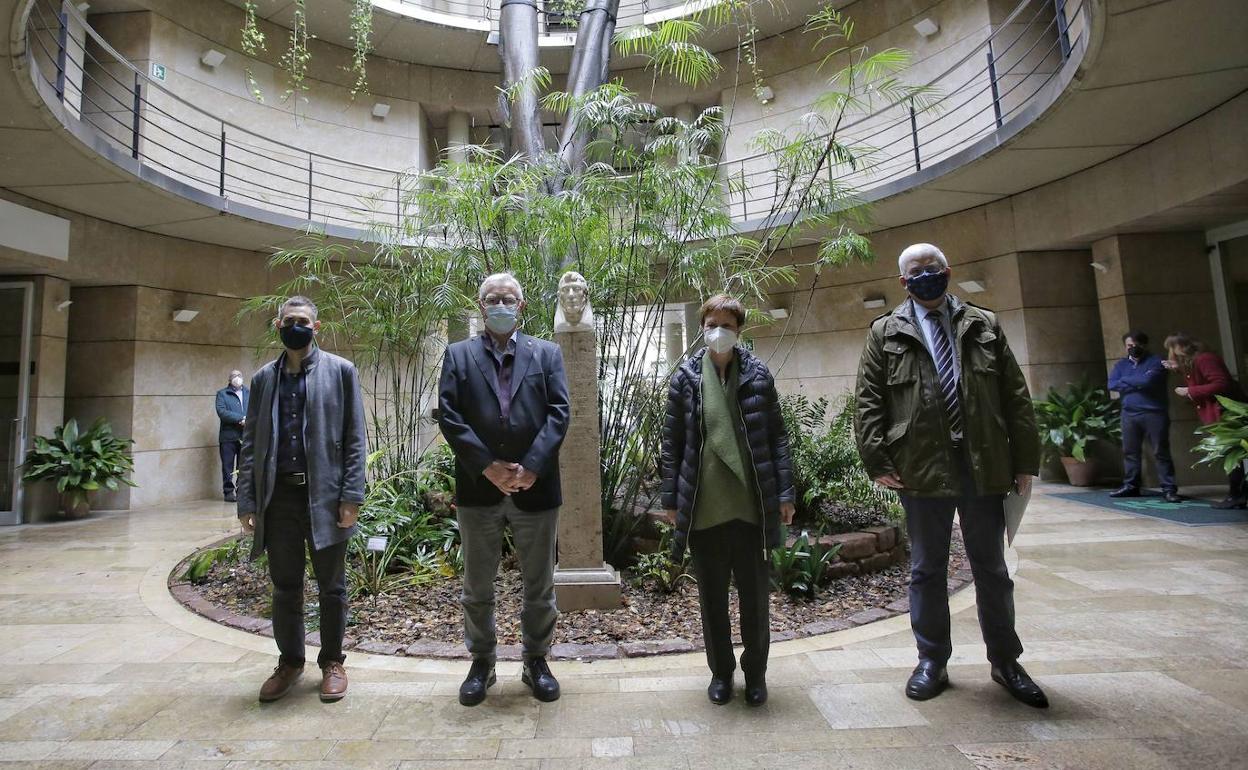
{"points": [[534, 535]]}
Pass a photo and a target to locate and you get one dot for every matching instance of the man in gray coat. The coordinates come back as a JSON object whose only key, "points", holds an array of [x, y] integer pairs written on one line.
{"points": [[301, 479]]}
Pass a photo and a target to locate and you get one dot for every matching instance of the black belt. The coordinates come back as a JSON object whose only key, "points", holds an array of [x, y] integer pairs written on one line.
{"points": [[293, 479]]}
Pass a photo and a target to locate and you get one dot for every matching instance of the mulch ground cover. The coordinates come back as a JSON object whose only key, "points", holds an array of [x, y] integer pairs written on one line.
{"points": [[417, 616]]}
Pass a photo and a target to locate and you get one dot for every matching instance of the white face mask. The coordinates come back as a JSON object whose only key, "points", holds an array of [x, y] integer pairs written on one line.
{"points": [[237, 382], [720, 340]]}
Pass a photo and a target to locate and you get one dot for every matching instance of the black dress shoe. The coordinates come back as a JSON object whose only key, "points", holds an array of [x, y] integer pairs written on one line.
{"points": [[1126, 491], [755, 692], [928, 680], [539, 679], [1172, 496], [480, 678], [1228, 503], [720, 690], [1014, 679]]}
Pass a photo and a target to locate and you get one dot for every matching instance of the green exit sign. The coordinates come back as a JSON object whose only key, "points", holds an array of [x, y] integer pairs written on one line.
{"points": [[158, 71]]}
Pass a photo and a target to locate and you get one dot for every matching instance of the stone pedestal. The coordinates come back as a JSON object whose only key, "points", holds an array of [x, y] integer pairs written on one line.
{"points": [[583, 580]]}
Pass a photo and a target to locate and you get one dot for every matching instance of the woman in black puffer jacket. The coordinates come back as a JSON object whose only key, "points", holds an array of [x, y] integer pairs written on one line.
{"points": [[727, 487]]}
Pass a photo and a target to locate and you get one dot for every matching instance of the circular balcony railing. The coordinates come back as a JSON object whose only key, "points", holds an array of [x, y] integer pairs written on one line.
{"points": [[998, 86], [483, 14]]}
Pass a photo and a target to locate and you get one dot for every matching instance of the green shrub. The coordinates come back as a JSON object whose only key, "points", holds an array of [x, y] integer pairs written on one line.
{"points": [[81, 462], [1069, 420], [660, 572], [826, 466], [1225, 443], [801, 569]]}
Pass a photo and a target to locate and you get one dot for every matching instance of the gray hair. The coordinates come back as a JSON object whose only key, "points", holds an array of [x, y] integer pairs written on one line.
{"points": [[919, 251], [297, 301], [503, 278]]}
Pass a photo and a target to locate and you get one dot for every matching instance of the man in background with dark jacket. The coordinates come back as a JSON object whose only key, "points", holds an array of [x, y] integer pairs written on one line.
{"points": [[945, 419], [504, 410], [232, 411], [1140, 380]]}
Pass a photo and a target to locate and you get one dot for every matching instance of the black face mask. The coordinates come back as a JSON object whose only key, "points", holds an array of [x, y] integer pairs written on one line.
{"points": [[1137, 352], [296, 337], [928, 287]]}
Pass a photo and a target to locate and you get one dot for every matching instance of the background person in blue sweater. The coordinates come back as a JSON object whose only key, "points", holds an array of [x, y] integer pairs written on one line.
{"points": [[1140, 379]]}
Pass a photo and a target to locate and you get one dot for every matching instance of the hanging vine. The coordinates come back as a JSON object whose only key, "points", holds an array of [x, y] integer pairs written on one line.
{"points": [[252, 44], [362, 40], [295, 59]]}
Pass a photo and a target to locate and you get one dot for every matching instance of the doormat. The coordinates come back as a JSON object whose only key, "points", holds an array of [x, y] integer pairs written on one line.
{"points": [[1191, 513]]}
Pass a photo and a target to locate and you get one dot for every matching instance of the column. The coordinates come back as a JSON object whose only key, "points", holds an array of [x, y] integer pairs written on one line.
{"points": [[583, 580], [458, 134]]}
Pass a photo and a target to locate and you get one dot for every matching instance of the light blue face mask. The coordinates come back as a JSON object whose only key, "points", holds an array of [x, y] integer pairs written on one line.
{"points": [[501, 319]]}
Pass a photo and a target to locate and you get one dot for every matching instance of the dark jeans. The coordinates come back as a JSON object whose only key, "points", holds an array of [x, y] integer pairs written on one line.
{"points": [[229, 462], [733, 552], [286, 530], [1155, 426], [929, 521]]}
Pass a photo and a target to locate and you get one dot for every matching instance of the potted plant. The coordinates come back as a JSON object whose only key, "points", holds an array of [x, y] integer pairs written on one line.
{"points": [[1072, 419], [80, 463], [1225, 442]]}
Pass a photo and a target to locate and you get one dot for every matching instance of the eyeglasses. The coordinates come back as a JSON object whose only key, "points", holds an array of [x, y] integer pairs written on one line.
{"points": [[290, 321], [915, 272], [505, 300]]}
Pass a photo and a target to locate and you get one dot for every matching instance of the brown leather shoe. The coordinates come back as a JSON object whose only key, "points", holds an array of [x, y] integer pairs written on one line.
{"points": [[333, 683], [279, 682]]}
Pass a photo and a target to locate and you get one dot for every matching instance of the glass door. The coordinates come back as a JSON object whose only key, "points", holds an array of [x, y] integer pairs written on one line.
{"points": [[16, 300]]}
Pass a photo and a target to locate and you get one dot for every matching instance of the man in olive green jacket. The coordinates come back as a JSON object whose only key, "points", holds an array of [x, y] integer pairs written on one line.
{"points": [[945, 419]]}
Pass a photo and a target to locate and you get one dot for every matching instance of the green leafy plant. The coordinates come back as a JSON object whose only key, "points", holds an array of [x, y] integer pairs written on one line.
{"points": [[80, 462], [659, 571], [826, 466], [296, 56], [201, 564], [802, 568], [253, 43], [361, 23], [1070, 419], [1225, 442]]}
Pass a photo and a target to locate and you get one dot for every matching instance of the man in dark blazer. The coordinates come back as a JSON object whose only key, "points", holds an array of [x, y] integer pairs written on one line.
{"points": [[301, 480], [504, 411], [232, 411]]}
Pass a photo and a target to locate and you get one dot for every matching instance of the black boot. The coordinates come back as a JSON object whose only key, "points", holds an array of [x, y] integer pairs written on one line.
{"points": [[539, 679], [928, 680], [1126, 491], [1172, 496], [1013, 678], [480, 678], [720, 690], [1228, 503], [755, 690]]}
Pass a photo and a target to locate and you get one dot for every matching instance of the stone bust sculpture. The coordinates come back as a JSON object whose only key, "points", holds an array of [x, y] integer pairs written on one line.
{"points": [[574, 313]]}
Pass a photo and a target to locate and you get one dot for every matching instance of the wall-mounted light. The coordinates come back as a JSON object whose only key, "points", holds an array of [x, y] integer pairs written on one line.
{"points": [[83, 8], [926, 27], [1100, 267], [184, 315], [765, 95], [212, 57], [381, 110], [778, 313], [874, 303], [971, 287], [62, 306]]}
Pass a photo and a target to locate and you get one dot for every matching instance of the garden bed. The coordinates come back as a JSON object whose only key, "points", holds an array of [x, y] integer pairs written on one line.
{"points": [[425, 620]]}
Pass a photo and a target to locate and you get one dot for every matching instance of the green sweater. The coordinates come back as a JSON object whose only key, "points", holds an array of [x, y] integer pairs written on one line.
{"points": [[726, 486]]}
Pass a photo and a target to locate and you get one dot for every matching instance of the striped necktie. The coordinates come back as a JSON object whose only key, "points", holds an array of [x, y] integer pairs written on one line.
{"points": [[944, 368]]}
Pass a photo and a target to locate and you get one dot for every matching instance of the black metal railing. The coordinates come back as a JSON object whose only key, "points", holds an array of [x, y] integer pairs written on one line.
{"points": [[1004, 74]]}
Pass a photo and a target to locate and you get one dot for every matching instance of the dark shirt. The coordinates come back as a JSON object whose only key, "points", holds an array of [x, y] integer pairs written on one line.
{"points": [[1142, 385], [504, 361], [292, 395]]}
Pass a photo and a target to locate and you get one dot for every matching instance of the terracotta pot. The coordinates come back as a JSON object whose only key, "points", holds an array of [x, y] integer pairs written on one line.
{"points": [[75, 506], [1081, 474]]}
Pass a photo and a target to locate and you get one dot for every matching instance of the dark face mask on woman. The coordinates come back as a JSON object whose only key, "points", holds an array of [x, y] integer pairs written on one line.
{"points": [[928, 286], [296, 337]]}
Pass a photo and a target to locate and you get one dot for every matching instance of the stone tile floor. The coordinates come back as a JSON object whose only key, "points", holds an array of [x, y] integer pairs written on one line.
{"points": [[1137, 628]]}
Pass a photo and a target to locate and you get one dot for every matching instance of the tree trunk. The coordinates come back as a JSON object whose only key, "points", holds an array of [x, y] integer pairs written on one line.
{"points": [[517, 45], [590, 63]]}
